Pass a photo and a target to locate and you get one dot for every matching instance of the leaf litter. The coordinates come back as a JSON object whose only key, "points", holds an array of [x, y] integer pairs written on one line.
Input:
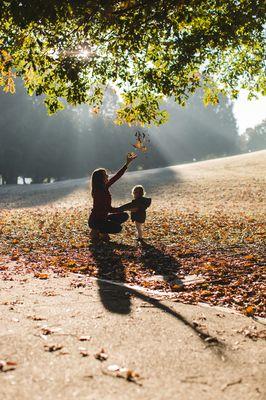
{"points": [[226, 253]]}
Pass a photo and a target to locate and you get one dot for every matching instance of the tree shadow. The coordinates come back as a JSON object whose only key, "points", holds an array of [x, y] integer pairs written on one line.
{"points": [[116, 295], [35, 195]]}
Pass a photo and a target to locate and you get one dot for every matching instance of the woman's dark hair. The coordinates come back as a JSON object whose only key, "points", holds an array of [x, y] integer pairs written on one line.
{"points": [[97, 180]]}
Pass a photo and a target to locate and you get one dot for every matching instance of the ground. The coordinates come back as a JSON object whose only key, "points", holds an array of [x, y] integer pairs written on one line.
{"points": [[205, 247]]}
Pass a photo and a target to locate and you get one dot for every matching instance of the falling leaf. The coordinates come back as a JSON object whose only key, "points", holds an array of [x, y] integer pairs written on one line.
{"points": [[141, 142], [95, 110]]}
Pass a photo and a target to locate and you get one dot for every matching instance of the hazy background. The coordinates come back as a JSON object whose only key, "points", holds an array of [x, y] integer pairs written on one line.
{"points": [[38, 148]]}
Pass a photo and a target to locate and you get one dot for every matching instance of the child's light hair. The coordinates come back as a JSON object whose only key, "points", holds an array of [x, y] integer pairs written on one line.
{"points": [[139, 188]]}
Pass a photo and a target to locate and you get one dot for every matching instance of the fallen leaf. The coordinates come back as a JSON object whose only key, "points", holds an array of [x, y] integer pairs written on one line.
{"points": [[101, 355], [6, 366], [52, 347], [84, 353], [41, 275], [124, 373], [84, 338], [249, 311]]}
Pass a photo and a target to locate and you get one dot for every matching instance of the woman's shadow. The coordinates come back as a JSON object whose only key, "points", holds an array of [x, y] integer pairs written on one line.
{"points": [[115, 298]]}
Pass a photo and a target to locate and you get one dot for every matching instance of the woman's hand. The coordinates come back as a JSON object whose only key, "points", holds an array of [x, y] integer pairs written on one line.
{"points": [[131, 157]]}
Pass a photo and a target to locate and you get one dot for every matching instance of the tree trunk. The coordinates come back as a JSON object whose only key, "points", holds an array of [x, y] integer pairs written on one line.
{"points": [[10, 179], [37, 179]]}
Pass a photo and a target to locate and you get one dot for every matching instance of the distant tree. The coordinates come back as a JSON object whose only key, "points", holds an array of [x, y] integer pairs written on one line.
{"points": [[32, 144], [69, 144], [150, 49], [255, 138], [74, 142], [197, 131]]}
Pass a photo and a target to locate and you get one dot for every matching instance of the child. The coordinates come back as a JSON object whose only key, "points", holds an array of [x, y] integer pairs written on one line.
{"points": [[138, 208]]}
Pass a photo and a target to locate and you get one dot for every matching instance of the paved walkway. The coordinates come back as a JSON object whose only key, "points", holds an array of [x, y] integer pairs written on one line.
{"points": [[155, 348]]}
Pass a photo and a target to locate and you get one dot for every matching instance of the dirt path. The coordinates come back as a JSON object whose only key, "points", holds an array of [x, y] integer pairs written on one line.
{"points": [[179, 351]]}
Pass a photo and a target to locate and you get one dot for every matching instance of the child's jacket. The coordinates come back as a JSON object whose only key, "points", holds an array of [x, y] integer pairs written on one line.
{"points": [[141, 204]]}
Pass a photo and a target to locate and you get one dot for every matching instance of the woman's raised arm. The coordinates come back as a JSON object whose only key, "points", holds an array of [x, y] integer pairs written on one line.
{"points": [[130, 158]]}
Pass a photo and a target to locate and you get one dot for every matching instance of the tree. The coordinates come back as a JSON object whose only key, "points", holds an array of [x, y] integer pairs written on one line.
{"points": [[69, 144], [32, 144], [197, 132], [72, 143], [255, 138], [149, 49]]}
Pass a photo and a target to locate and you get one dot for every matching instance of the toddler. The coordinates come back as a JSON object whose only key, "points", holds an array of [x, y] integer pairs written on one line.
{"points": [[138, 208]]}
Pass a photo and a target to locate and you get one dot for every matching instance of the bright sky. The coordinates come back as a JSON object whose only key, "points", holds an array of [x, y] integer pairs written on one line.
{"points": [[249, 113]]}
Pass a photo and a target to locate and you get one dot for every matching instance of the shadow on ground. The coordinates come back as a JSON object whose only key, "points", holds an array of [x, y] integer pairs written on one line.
{"points": [[36, 195], [116, 296], [109, 260]]}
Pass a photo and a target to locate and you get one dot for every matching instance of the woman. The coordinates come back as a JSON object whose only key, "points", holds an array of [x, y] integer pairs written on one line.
{"points": [[104, 218]]}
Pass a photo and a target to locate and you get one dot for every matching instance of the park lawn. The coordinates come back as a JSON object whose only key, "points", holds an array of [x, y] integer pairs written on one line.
{"points": [[205, 235]]}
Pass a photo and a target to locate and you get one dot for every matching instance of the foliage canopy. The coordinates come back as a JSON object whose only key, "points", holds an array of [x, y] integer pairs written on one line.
{"points": [[149, 49]]}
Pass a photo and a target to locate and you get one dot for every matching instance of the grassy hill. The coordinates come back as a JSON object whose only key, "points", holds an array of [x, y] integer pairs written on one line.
{"points": [[230, 184]]}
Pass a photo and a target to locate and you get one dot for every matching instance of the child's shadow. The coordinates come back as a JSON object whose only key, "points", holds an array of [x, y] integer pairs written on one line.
{"points": [[109, 260], [159, 263]]}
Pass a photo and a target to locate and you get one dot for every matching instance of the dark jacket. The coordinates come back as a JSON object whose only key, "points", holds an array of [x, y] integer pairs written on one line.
{"points": [[138, 208]]}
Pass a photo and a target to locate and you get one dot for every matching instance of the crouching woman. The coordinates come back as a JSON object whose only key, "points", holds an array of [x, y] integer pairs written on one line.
{"points": [[104, 218]]}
